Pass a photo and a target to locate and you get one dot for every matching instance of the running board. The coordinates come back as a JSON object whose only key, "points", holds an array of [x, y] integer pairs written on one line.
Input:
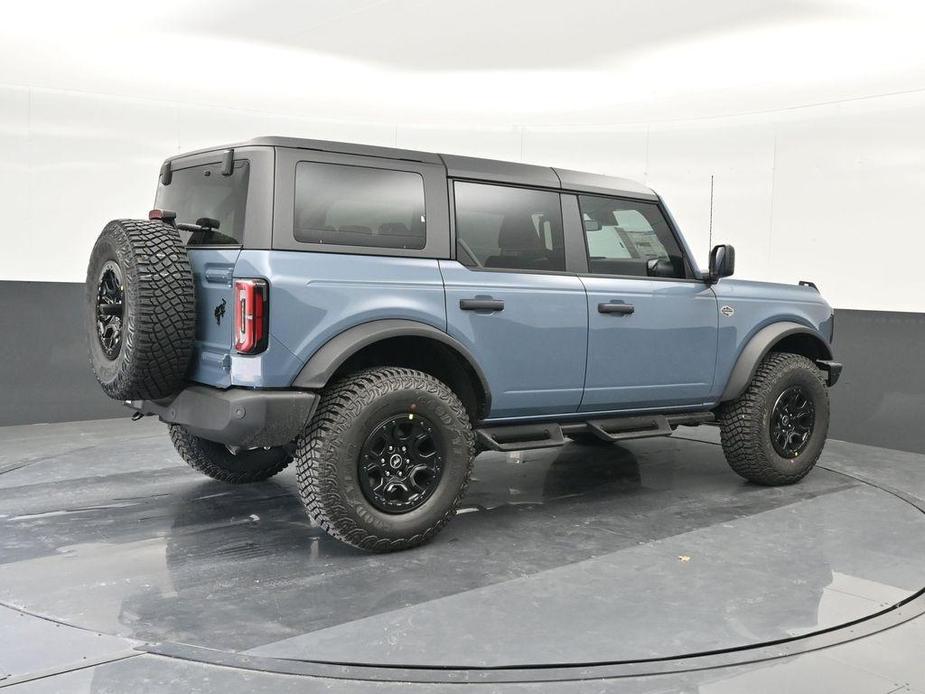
{"points": [[518, 437]]}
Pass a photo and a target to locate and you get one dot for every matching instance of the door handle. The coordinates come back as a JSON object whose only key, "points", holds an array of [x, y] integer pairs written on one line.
{"points": [[481, 304], [619, 309]]}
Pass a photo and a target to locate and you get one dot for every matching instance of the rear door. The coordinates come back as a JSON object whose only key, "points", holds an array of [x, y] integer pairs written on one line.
{"points": [[510, 300], [652, 325], [198, 189]]}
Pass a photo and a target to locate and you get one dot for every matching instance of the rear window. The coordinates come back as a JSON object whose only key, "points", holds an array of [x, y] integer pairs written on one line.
{"points": [[358, 206], [510, 228], [202, 191]]}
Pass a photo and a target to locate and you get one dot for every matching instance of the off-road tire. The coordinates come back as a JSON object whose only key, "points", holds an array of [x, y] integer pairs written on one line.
{"points": [[745, 423], [158, 315], [328, 454], [216, 461]]}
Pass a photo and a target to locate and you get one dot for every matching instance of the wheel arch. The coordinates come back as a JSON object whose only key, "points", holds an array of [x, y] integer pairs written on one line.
{"points": [[784, 336], [400, 342]]}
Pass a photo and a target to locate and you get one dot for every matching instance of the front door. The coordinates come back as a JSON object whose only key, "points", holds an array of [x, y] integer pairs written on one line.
{"points": [[652, 326]]}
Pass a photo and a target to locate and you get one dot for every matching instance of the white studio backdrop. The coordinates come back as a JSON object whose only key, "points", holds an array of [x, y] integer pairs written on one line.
{"points": [[817, 155]]}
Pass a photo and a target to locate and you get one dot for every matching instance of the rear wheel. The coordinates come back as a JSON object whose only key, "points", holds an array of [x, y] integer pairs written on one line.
{"points": [[774, 432], [235, 466], [386, 459]]}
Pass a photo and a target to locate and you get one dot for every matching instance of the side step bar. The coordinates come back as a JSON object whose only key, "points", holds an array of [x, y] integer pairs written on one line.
{"points": [[520, 437], [517, 437]]}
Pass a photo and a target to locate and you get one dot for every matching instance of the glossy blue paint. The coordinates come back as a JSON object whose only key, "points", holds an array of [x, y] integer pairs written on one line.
{"points": [[756, 305], [213, 269], [316, 296], [533, 352], [663, 354], [550, 352]]}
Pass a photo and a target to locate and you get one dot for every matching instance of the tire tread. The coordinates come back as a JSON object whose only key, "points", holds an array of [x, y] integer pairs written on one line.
{"points": [[316, 467], [158, 337], [741, 422], [208, 459]]}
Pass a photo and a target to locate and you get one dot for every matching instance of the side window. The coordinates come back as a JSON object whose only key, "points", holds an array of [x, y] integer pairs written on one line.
{"points": [[358, 206], [504, 227], [629, 237]]}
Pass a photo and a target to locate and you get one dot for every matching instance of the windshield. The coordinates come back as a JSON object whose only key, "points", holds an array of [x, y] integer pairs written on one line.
{"points": [[202, 191]]}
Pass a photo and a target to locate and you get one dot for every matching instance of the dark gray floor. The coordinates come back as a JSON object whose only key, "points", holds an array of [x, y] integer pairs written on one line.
{"points": [[111, 551]]}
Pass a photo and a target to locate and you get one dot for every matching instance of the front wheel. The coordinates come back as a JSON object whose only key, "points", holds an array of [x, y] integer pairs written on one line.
{"points": [[774, 432], [386, 459]]}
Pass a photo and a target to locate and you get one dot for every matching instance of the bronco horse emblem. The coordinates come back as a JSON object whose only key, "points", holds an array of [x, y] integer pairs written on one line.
{"points": [[219, 313]]}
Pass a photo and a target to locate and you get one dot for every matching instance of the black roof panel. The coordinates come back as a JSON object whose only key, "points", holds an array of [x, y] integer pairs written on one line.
{"points": [[500, 171], [466, 167]]}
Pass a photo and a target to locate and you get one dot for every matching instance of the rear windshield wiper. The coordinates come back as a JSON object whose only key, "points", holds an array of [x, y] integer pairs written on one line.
{"points": [[206, 227]]}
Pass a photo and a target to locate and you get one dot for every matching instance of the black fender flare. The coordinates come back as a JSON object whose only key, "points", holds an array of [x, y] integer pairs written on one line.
{"points": [[319, 368], [757, 349]]}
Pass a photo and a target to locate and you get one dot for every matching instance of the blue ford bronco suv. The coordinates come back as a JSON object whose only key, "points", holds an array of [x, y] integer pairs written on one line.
{"points": [[380, 316]]}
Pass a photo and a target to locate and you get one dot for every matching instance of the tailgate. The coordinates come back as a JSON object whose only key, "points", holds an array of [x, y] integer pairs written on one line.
{"points": [[213, 270]]}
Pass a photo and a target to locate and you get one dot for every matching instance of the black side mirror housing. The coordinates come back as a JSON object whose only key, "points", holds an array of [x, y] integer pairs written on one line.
{"points": [[660, 267], [592, 225], [722, 262]]}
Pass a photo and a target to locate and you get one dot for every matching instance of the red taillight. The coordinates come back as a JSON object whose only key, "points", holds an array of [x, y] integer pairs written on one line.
{"points": [[251, 313]]}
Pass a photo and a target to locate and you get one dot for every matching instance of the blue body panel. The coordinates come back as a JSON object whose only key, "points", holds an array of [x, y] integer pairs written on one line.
{"points": [[316, 296], [532, 352], [663, 354], [756, 305], [549, 353], [213, 269]]}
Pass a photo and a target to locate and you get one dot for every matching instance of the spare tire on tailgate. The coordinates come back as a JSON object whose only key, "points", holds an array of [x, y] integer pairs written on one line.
{"points": [[140, 310]]}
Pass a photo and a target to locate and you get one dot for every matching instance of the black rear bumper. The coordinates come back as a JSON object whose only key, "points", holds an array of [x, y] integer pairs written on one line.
{"points": [[237, 416]]}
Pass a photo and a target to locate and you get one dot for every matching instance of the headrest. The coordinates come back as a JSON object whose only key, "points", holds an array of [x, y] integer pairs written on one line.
{"points": [[394, 229], [519, 234]]}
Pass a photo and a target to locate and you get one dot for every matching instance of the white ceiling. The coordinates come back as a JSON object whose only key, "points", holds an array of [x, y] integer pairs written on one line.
{"points": [[472, 62]]}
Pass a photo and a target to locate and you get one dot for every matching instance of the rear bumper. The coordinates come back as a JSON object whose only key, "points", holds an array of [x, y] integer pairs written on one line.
{"points": [[236, 416], [832, 370]]}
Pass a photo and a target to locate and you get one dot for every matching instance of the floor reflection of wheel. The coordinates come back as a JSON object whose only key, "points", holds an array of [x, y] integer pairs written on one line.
{"points": [[386, 459], [222, 463], [775, 431]]}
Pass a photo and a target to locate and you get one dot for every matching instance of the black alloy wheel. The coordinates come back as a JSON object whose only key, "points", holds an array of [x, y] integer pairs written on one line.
{"points": [[110, 300], [401, 463], [792, 419]]}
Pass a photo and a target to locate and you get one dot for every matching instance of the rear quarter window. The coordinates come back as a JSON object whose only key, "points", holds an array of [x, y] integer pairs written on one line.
{"points": [[358, 206]]}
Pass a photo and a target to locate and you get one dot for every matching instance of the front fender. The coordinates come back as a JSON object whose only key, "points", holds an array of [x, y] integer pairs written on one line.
{"points": [[757, 349]]}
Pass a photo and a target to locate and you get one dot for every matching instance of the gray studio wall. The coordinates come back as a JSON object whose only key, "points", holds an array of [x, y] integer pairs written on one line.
{"points": [[45, 375]]}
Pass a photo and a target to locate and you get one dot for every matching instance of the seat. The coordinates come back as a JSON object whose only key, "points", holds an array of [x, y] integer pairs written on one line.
{"points": [[519, 246], [355, 229], [394, 229]]}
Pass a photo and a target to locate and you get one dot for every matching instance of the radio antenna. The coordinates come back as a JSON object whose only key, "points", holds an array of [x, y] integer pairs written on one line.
{"points": [[711, 215]]}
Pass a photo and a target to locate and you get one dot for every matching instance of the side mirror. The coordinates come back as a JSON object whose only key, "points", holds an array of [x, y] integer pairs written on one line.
{"points": [[660, 267], [722, 262], [592, 225]]}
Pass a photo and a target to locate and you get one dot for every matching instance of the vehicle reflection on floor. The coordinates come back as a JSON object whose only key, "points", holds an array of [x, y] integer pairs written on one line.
{"points": [[647, 549]]}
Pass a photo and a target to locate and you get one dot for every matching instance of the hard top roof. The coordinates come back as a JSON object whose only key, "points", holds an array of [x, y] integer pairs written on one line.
{"points": [[464, 167]]}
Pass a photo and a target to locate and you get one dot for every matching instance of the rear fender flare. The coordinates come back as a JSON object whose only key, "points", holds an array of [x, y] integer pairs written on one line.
{"points": [[321, 366]]}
